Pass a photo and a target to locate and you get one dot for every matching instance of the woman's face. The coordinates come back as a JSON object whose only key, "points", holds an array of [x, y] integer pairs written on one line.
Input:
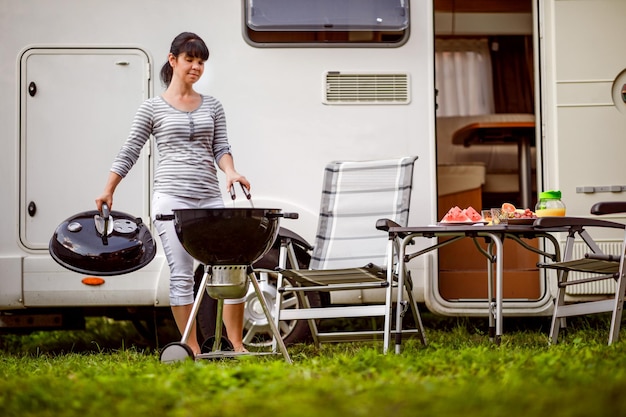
{"points": [[187, 68]]}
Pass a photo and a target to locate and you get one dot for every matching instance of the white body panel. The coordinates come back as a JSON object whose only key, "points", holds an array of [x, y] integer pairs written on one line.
{"points": [[281, 130], [58, 144], [584, 120], [585, 115]]}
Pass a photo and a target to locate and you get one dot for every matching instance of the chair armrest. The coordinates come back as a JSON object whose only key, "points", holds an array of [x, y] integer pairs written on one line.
{"points": [[385, 224], [609, 207], [575, 222]]}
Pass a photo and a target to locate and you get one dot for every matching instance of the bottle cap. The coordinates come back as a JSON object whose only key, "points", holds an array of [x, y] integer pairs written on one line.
{"points": [[550, 195]]}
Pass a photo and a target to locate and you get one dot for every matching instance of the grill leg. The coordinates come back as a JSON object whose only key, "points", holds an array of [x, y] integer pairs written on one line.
{"points": [[270, 320], [195, 307], [217, 344]]}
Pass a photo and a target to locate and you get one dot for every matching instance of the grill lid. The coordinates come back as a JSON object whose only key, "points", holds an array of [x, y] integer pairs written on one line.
{"points": [[80, 244]]}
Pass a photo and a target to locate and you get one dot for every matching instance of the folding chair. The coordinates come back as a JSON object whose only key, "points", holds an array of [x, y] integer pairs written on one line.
{"points": [[350, 258], [595, 265]]}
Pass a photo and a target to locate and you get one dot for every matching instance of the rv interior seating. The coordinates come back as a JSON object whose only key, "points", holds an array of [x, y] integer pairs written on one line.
{"points": [[500, 161], [458, 178], [595, 265]]}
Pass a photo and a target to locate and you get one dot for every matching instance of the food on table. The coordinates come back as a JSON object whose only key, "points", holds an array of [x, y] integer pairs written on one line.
{"points": [[499, 216], [454, 215], [523, 214], [515, 213], [472, 214], [458, 215], [508, 208]]}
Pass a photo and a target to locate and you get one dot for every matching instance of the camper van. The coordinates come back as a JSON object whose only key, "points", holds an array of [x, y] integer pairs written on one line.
{"points": [[304, 83]]}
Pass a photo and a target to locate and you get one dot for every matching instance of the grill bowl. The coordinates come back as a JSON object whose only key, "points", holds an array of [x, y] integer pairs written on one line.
{"points": [[227, 236]]}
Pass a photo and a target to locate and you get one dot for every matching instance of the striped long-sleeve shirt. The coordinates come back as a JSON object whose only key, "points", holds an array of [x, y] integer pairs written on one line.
{"points": [[189, 145]]}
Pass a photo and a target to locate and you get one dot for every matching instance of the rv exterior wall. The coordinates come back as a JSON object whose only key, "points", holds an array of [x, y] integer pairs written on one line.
{"points": [[281, 131]]}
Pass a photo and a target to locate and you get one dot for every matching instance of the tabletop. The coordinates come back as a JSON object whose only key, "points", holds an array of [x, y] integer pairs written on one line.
{"points": [[477, 228]]}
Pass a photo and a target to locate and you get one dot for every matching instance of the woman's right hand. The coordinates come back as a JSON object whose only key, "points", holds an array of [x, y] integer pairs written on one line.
{"points": [[105, 198]]}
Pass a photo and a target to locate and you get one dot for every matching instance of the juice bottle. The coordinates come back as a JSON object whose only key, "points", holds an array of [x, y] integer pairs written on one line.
{"points": [[550, 204]]}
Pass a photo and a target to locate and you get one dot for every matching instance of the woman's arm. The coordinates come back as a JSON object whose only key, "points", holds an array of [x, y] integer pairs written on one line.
{"points": [[107, 195], [227, 164]]}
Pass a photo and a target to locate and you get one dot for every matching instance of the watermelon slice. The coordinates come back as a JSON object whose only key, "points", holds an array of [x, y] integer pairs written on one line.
{"points": [[472, 214], [455, 215]]}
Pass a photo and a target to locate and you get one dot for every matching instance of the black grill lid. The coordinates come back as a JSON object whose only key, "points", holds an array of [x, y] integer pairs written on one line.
{"points": [[79, 246]]}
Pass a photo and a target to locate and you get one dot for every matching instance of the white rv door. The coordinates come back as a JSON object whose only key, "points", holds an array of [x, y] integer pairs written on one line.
{"points": [[76, 107], [584, 76], [584, 113]]}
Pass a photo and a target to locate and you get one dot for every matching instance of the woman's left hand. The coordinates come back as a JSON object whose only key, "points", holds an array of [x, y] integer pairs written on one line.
{"points": [[227, 165], [236, 177]]}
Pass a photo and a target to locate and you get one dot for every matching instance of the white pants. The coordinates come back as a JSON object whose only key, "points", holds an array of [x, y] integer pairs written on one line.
{"points": [[180, 262]]}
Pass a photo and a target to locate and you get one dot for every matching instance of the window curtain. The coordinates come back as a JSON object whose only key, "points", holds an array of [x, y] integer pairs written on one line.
{"points": [[463, 77], [512, 63]]}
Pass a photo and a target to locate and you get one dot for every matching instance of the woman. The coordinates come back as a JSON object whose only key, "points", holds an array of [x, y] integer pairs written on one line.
{"points": [[190, 133]]}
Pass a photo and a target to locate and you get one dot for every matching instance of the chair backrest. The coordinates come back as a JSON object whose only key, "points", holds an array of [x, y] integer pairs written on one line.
{"points": [[354, 196]]}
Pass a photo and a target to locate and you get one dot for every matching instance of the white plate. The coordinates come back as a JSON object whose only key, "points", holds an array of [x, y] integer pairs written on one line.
{"points": [[467, 223]]}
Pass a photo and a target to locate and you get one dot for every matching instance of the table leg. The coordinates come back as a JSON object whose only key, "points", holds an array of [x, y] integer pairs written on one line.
{"points": [[499, 282], [490, 288], [400, 293], [388, 293]]}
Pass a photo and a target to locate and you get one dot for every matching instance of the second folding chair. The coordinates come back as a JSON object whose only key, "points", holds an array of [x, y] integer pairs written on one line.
{"points": [[594, 266]]}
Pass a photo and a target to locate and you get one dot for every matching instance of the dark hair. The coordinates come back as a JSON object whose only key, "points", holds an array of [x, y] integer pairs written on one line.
{"points": [[186, 42]]}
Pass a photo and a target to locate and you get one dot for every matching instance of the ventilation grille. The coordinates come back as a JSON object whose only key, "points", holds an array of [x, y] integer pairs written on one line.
{"points": [[342, 88], [606, 286]]}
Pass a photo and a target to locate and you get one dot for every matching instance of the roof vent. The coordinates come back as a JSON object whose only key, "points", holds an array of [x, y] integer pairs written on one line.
{"points": [[353, 88]]}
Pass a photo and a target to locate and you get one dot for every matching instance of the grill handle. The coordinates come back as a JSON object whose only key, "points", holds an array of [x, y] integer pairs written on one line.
{"points": [[231, 190], [283, 215], [164, 217]]}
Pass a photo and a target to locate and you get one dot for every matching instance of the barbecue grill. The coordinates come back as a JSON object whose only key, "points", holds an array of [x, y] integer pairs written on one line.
{"points": [[227, 241]]}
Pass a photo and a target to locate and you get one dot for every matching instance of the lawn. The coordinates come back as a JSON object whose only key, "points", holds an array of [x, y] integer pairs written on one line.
{"points": [[106, 371]]}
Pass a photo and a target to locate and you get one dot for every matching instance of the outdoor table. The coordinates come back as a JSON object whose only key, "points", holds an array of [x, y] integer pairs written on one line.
{"points": [[494, 236]]}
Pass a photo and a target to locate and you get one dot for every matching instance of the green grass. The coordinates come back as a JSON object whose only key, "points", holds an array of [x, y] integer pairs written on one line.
{"points": [[104, 371]]}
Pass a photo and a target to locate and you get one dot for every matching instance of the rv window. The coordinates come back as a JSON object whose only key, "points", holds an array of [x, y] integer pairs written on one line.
{"points": [[318, 22]]}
